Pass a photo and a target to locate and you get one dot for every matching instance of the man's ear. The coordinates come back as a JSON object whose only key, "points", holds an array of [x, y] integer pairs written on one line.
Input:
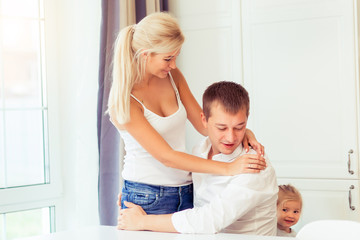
{"points": [[203, 119]]}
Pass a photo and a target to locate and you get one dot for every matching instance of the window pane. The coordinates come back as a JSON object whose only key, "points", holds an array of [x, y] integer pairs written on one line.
{"points": [[2, 153], [2, 226], [27, 223], [21, 63], [1, 86], [20, 8], [24, 147]]}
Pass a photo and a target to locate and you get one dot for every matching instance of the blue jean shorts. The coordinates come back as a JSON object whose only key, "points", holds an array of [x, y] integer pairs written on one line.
{"points": [[156, 199]]}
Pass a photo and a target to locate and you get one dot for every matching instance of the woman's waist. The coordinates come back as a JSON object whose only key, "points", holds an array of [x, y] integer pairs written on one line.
{"points": [[145, 187], [156, 174]]}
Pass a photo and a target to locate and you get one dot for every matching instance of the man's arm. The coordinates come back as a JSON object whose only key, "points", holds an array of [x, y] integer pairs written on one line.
{"points": [[242, 194], [135, 218]]}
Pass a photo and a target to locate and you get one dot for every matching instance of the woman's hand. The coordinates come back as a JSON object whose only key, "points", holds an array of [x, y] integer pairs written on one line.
{"points": [[250, 139], [131, 217], [119, 201], [248, 163]]}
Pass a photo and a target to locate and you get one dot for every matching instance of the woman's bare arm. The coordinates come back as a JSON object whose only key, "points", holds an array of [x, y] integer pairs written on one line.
{"points": [[193, 109], [153, 142]]}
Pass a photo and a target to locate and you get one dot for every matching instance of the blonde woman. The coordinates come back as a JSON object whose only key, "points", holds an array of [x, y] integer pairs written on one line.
{"points": [[149, 103]]}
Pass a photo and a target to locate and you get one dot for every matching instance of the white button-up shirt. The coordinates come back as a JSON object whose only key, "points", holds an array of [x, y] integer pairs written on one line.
{"points": [[245, 203]]}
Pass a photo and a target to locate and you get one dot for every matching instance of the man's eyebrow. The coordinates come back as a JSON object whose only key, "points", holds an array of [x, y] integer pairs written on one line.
{"points": [[221, 124]]}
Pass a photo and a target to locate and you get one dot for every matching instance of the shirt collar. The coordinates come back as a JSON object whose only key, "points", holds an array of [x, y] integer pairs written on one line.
{"points": [[205, 148]]}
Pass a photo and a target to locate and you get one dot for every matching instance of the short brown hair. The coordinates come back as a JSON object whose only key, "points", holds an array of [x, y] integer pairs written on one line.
{"points": [[232, 96], [288, 193]]}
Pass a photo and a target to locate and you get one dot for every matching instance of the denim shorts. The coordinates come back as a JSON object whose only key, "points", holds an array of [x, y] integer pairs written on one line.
{"points": [[156, 199]]}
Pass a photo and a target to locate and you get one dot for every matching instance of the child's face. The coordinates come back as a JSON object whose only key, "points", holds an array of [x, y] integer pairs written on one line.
{"points": [[288, 214]]}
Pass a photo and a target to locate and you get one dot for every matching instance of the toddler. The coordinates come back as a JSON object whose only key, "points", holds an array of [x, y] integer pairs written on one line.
{"points": [[289, 206]]}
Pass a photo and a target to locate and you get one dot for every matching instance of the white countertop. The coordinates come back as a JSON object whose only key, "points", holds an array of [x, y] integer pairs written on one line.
{"points": [[111, 233]]}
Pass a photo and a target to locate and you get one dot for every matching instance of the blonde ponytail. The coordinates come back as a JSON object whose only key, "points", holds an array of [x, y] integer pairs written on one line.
{"points": [[123, 75]]}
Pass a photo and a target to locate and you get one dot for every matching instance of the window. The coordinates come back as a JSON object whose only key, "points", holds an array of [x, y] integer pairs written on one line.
{"points": [[29, 175]]}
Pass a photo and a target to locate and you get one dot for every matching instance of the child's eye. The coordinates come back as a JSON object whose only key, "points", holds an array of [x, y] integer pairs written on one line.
{"points": [[285, 210], [296, 212]]}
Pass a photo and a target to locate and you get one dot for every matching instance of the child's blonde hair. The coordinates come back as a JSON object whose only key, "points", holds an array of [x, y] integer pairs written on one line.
{"points": [[288, 193], [156, 33]]}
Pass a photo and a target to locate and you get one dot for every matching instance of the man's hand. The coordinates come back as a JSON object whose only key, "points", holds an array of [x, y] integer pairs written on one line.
{"points": [[119, 201], [131, 218]]}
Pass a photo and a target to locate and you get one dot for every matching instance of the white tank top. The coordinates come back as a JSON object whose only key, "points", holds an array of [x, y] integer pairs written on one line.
{"points": [[141, 166]]}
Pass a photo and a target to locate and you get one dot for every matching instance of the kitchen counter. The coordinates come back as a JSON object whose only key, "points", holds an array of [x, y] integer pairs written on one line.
{"points": [[111, 233]]}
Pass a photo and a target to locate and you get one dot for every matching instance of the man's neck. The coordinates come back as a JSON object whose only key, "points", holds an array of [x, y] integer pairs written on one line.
{"points": [[210, 154]]}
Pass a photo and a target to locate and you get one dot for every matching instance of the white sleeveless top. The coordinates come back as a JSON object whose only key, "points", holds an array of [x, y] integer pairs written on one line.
{"points": [[141, 166]]}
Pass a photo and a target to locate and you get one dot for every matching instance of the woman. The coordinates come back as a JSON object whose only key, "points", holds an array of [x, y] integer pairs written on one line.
{"points": [[149, 103]]}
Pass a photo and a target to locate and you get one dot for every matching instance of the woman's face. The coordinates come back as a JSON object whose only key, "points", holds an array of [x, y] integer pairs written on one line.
{"points": [[161, 64]]}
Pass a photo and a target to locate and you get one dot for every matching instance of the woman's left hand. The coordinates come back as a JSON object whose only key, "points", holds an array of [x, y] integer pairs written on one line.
{"points": [[250, 139]]}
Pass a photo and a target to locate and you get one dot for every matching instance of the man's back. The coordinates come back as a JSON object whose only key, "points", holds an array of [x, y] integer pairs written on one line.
{"points": [[244, 203]]}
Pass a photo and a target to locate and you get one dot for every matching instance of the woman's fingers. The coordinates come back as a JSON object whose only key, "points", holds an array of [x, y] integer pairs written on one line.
{"points": [[246, 144]]}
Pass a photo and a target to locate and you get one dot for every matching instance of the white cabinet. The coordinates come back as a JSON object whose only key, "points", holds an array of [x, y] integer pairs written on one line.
{"points": [[300, 67], [211, 51], [327, 199], [301, 70]]}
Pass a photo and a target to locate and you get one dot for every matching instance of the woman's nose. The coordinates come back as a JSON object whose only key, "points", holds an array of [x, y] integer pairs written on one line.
{"points": [[173, 64]]}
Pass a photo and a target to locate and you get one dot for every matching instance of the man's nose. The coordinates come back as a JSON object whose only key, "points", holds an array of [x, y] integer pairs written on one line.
{"points": [[230, 136]]}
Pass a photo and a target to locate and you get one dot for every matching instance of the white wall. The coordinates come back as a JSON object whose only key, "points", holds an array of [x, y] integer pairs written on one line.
{"points": [[212, 48], [78, 31]]}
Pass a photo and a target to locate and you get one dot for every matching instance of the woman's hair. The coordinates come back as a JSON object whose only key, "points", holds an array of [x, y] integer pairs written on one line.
{"points": [[288, 193], [232, 96], [156, 33]]}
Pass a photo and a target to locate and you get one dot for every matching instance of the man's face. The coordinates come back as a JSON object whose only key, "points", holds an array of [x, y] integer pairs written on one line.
{"points": [[225, 130]]}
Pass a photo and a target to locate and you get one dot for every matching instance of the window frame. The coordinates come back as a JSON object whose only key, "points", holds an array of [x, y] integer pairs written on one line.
{"points": [[50, 193]]}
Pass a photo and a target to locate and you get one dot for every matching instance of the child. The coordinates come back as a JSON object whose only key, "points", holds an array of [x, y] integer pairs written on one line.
{"points": [[289, 206]]}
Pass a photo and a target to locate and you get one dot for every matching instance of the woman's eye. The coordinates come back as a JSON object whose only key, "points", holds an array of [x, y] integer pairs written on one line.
{"points": [[222, 129], [167, 59], [239, 129]]}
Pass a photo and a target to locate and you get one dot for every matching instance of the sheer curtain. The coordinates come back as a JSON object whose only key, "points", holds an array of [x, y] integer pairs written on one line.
{"points": [[116, 14]]}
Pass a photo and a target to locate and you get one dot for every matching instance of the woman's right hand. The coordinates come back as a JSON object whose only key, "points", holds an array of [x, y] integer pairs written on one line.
{"points": [[248, 163]]}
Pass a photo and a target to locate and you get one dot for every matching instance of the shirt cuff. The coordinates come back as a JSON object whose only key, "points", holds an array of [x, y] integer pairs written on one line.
{"points": [[180, 222]]}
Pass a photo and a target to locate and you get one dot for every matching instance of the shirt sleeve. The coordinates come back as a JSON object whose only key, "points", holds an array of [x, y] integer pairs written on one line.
{"points": [[242, 193]]}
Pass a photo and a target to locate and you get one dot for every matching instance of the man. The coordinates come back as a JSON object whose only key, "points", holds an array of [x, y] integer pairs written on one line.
{"points": [[244, 203]]}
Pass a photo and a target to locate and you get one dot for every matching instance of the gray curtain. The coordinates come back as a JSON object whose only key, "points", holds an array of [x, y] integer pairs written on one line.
{"points": [[108, 136]]}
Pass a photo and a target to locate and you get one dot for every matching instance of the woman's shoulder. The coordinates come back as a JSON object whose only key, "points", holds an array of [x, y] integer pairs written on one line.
{"points": [[177, 76]]}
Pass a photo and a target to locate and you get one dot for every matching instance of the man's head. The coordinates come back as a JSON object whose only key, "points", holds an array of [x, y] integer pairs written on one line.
{"points": [[225, 114]]}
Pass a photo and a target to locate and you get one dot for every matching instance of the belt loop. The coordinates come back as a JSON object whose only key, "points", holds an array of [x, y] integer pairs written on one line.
{"points": [[161, 191]]}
